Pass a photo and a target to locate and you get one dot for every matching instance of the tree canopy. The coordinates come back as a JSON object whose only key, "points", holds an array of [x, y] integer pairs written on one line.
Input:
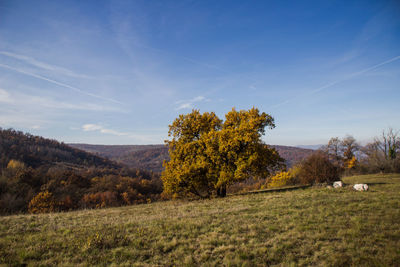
{"points": [[208, 154]]}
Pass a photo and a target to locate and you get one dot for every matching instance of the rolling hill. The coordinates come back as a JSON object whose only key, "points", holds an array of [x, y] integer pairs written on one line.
{"points": [[38, 173], [35, 151], [307, 227], [151, 157]]}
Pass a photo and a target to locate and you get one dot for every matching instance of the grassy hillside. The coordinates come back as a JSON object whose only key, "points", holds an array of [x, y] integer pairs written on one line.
{"points": [[315, 226], [151, 157]]}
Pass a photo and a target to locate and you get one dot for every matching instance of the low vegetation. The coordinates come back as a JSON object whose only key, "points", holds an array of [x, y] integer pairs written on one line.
{"points": [[314, 226]]}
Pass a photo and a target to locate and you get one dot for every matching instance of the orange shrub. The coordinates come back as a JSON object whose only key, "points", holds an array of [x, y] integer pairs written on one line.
{"points": [[100, 200], [42, 203]]}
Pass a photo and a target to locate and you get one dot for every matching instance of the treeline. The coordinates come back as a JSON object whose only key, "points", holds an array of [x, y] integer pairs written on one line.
{"points": [[41, 175], [340, 157], [382, 155], [35, 151], [151, 157]]}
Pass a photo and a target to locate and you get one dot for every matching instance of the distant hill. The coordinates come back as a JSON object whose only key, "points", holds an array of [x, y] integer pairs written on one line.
{"points": [[37, 151], [292, 154], [313, 147], [151, 157]]}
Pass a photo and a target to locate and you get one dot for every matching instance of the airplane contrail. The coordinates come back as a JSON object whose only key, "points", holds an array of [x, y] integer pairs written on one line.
{"points": [[356, 74], [339, 81], [59, 83]]}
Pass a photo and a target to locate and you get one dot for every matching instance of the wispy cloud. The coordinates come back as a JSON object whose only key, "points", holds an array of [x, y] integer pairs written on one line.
{"points": [[26, 100], [144, 138], [101, 129], [5, 96], [29, 120], [354, 74], [59, 83], [43, 65], [188, 104], [346, 78]]}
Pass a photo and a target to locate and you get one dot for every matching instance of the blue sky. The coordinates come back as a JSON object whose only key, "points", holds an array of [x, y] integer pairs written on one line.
{"points": [[118, 72]]}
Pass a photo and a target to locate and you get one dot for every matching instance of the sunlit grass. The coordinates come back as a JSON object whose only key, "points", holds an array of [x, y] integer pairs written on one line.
{"points": [[314, 226]]}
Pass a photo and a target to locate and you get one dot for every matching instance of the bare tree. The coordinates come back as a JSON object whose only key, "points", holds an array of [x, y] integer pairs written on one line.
{"points": [[333, 149], [389, 144], [382, 154], [349, 147]]}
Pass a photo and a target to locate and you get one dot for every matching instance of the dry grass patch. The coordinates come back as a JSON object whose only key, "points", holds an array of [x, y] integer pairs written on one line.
{"points": [[314, 226]]}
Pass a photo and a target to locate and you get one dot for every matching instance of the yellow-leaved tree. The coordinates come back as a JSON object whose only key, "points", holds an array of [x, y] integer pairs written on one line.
{"points": [[207, 154]]}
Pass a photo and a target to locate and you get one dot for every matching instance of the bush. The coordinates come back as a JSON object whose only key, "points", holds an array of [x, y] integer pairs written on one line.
{"points": [[42, 203], [318, 169], [284, 178], [280, 179], [100, 200]]}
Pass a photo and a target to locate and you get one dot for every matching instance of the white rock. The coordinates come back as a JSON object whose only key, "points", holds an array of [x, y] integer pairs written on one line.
{"points": [[337, 184], [360, 187]]}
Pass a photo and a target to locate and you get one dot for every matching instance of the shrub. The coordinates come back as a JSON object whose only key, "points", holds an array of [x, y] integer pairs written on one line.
{"points": [[284, 178], [318, 169], [15, 164], [280, 179], [42, 202], [351, 163], [100, 200]]}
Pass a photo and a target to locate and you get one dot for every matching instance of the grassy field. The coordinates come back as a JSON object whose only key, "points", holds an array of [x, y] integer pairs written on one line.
{"points": [[313, 226]]}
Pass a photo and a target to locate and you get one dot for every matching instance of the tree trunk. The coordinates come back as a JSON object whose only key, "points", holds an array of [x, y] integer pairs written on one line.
{"points": [[221, 191]]}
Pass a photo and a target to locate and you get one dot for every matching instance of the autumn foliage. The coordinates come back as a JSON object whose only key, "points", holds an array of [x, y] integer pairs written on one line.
{"points": [[318, 169], [285, 178], [40, 175], [208, 154], [42, 202]]}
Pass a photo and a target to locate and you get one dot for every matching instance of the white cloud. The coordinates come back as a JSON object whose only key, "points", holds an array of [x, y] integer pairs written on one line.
{"points": [[145, 138], [96, 127], [91, 127], [188, 104], [185, 106], [5, 96]]}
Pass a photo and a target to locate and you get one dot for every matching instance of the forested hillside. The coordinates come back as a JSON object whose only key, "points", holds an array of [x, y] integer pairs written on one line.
{"points": [[35, 151], [146, 157], [41, 175], [151, 157]]}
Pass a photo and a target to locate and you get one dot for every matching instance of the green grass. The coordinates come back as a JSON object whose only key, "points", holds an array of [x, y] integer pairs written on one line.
{"points": [[313, 226]]}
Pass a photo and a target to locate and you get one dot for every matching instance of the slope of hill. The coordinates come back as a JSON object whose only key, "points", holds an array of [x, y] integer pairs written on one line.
{"points": [[151, 157], [37, 173], [37, 151], [308, 227], [313, 147]]}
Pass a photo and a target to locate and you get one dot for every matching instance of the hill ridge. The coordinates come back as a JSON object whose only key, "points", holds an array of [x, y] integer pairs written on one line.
{"points": [[151, 157]]}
